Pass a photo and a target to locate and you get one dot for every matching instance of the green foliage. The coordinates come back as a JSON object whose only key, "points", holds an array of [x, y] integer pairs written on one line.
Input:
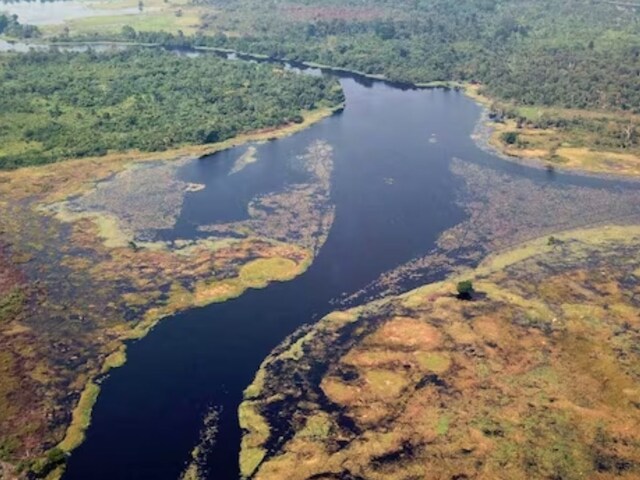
{"points": [[56, 105], [54, 458], [8, 446], [578, 53], [10, 305], [510, 138], [465, 289]]}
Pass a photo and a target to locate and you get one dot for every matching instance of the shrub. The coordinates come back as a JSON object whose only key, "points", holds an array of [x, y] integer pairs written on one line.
{"points": [[43, 467], [465, 289], [510, 138]]}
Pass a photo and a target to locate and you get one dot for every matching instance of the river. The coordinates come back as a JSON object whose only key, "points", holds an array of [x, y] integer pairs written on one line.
{"points": [[394, 193]]}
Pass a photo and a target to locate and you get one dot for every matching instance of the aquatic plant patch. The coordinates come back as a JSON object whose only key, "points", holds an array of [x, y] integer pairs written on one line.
{"points": [[502, 211], [301, 214], [79, 277]]}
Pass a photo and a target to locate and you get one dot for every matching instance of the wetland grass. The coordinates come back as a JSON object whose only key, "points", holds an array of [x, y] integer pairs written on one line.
{"points": [[524, 381]]}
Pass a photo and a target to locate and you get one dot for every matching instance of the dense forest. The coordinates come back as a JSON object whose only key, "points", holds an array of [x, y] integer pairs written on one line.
{"points": [[56, 105], [574, 53]]}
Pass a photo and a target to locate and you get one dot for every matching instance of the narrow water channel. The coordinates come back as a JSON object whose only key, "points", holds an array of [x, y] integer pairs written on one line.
{"points": [[394, 195]]}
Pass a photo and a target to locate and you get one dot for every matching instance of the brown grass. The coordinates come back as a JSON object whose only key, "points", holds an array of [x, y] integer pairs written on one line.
{"points": [[538, 379], [571, 148]]}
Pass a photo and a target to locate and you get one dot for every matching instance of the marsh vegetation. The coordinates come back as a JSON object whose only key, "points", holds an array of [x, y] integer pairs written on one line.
{"points": [[83, 272], [536, 379]]}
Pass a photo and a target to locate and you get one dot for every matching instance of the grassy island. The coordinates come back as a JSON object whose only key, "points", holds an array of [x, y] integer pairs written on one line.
{"points": [[534, 376]]}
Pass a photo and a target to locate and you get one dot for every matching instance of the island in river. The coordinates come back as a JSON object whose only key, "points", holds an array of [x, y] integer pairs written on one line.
{"points": [[536, 375]]}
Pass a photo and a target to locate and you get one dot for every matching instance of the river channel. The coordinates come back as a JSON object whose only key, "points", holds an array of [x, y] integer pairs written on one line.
{"points": [[394, 192]]}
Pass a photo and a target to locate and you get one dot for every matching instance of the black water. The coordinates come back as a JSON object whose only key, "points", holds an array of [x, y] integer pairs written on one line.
{"points": [[394, 195]]}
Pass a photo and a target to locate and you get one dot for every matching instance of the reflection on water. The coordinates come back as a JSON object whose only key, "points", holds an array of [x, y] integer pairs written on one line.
{"points": [[56, 13]]}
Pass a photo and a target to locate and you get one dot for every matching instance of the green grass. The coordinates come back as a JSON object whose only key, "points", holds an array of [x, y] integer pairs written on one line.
{"points": [[167, 22], [157, 15], [81, 418], [436, 362], [442, 428], [317, 427], [11, 304], [115, 360], [259, 273], [252, 452]]}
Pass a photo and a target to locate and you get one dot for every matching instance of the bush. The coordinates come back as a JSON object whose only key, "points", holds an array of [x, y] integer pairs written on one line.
{"points": [[43, 467], [510, 138], [465, 289]]}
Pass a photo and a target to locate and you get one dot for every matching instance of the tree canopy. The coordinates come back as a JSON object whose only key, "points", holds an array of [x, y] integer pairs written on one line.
{"points": [[572, 53], [56, 105]]}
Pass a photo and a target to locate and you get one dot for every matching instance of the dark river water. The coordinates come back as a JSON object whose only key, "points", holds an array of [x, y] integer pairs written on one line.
{"points": [[394, 195]]}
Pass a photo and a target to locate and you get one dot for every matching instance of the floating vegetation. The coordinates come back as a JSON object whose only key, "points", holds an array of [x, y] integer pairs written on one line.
{"points": [[301, 214], [503, 211], [91, 275], [141, 198], [196, 469], [244, 160], [537, 377]]}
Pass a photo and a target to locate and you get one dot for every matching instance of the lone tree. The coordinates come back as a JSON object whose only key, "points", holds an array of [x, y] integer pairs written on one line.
{"points": [[510, 138], [465, 290]]}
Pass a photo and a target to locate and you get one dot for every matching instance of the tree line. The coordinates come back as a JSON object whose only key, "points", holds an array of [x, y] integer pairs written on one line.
{"points": [[573, 53]]}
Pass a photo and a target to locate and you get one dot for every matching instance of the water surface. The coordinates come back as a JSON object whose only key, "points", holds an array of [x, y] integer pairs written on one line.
{"points": [[394, 194]]}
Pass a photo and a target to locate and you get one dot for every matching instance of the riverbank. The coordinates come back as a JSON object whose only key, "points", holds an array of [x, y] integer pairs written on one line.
{"points": [[557, 139], [154, 280], [581, 141], [428, 383]]}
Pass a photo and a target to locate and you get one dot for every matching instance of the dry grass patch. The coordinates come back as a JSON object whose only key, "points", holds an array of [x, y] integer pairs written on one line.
{"points": [[599, 161], [536, 379], [406, 332]]}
